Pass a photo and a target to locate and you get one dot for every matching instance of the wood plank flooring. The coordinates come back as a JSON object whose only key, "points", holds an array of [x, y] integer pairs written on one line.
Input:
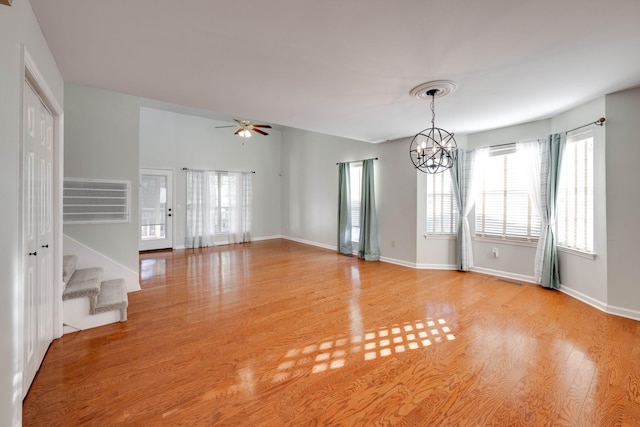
{"points": [[276, 333]]}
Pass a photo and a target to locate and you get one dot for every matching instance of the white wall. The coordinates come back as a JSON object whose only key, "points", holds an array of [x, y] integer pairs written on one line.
{"points": [[623, 200], [102, 142], [310, 190], [310, 183], [18, 26], [396, 189], [172, 141]]}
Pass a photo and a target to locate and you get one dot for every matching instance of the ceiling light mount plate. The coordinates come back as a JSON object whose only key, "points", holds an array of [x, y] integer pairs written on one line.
{"points": [[441, 88]]}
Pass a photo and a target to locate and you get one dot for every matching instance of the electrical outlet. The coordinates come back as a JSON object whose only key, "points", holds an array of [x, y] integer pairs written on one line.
{"points": [[393, 243], [494, 252]]}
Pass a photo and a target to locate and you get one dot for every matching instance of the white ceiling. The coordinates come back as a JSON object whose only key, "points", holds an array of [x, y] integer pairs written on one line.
{"points": [[345, 67]]}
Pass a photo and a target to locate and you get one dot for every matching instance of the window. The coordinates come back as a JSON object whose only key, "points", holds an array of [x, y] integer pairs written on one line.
{"points": [[575, 194], [503, 207], [355, 177], [442, 209], [218, 208], [221, 192]]}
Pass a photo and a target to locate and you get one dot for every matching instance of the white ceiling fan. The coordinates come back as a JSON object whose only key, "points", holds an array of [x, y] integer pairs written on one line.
{"points": [[245, 127]]}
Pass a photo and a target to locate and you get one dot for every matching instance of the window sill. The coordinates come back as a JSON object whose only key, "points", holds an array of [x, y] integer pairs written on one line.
{"points": [[440, 236], [506, 241], [578, 253]]}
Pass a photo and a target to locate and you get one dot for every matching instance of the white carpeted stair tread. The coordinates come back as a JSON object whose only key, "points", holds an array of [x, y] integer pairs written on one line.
{"points": [[112, 296], [68, 267], [83, 283]]}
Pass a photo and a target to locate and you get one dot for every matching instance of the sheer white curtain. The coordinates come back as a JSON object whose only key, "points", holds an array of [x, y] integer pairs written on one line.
{"points": [[200, 205], [465, 177], [530, 156], [240, 217]]}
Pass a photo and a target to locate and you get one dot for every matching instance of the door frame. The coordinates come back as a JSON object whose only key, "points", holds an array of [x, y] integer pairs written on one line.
{"points": [[170, 200], [32, 74]]}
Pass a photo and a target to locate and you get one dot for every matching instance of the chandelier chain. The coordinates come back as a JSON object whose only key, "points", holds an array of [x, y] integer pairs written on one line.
{"points": [[433, 110]]}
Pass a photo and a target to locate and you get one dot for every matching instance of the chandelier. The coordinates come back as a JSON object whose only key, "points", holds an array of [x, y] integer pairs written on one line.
{"points": [[433, 150]]}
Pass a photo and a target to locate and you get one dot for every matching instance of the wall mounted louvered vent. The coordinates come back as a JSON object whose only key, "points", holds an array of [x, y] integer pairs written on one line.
{"points": [[96, 201]]}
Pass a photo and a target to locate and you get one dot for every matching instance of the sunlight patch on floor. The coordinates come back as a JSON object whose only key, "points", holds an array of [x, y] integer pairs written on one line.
{"points": [[330, 353]]}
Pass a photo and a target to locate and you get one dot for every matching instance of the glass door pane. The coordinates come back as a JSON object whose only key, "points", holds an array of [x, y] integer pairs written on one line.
{"points": [[155, 209]]}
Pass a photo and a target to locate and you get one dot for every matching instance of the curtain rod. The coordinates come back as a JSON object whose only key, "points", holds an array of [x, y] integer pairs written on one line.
{"points": [[598, 122], [354, 161], [214, 170]]}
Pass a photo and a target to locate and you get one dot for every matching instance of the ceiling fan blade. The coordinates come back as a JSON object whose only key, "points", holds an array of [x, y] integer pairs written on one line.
{"points": [[259, 131], [237, 132], [239, 122], [262, 126]]}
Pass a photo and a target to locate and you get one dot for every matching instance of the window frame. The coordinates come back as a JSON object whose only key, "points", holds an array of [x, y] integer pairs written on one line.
{"points": [[509, 154]]}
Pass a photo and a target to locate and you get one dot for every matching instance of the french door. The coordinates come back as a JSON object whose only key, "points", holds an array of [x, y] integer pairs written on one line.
{"points": [[37, 232], [156, 215]]}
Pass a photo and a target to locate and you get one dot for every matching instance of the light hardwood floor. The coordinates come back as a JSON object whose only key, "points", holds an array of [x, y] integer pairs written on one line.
{"points": [[276, 333]]}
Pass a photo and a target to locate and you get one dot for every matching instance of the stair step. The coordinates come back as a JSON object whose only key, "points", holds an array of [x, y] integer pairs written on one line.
{"points": [[68, 267], [83, 283], [112, 296]]}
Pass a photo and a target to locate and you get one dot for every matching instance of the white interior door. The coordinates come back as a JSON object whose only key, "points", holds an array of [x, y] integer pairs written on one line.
{"points": [[156, 215], [37, 209]]}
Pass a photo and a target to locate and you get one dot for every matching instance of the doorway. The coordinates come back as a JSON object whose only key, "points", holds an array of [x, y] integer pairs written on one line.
{"points": [[156, 215]]}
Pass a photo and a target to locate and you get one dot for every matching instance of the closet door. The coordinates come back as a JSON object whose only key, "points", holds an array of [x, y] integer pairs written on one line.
{"points": [[37, 231]]}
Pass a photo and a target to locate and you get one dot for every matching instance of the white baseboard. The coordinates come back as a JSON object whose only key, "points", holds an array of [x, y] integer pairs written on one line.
{"points": [[88, 257], [623, 312], [309, 242], [602, 306], [436, 266], [584, 298], [253, 239], [257, 239], [505, 274], [398, 262]]}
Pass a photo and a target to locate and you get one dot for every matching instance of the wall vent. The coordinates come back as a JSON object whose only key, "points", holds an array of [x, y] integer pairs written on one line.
{"points": [[95, 201]]}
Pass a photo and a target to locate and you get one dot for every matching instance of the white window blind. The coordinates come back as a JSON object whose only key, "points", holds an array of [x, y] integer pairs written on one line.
{"points": [[442, 209], [503, 208], [575, 195], [355, 177], [95, 201]]}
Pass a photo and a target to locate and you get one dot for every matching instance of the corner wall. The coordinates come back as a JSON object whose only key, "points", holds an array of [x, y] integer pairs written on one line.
{"points": [[310, 191], [102, 142], [623, 200]]}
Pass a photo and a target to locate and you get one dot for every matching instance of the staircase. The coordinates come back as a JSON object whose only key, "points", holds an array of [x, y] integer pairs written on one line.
{"points": [[88, 301]]}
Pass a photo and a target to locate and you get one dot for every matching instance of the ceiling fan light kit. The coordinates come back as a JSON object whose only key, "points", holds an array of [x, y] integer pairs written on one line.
{"points": [[245, 127], [433, 150]]}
